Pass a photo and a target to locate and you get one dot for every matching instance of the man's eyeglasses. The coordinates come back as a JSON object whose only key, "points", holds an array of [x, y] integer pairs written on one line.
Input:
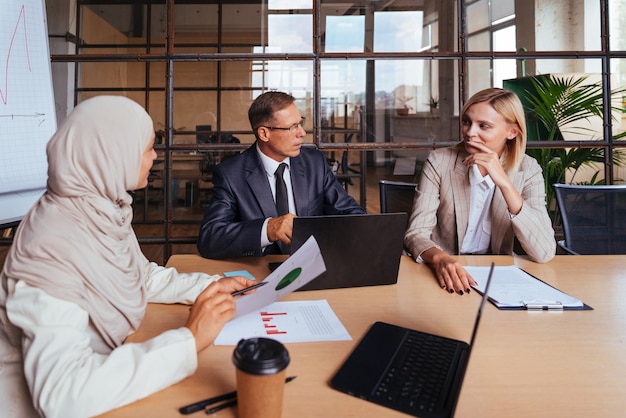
{"points": [[293, 128]]}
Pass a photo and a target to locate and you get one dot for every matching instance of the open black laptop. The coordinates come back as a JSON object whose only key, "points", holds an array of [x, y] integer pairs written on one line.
{"points": [[358, 250], [407, 370]]}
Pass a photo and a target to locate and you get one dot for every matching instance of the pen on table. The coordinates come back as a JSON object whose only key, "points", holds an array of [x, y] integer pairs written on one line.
{"points": [[247, 289], [233, 402], [198, 406], [225, 405]]}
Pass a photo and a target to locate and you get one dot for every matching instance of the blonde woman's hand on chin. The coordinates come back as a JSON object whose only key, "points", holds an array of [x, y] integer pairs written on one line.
{"points": [[488, 162], [213, 308]]}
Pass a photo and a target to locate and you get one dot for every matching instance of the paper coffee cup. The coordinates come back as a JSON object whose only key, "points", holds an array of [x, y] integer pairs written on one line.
{"points": [[261, 365]]}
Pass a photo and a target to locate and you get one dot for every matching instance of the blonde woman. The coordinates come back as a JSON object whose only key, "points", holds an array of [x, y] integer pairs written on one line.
{"points": [[481, 195]]}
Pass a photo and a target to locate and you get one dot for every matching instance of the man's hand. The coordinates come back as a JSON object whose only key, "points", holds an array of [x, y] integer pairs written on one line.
{"points": [[280, 228]]}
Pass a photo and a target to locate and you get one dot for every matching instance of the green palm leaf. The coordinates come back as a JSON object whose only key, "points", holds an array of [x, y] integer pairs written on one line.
{"points": [[556, 102]]}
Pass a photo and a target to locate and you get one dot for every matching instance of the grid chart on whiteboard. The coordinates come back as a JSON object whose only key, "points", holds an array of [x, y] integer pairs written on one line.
{"points": [[27, 114]]}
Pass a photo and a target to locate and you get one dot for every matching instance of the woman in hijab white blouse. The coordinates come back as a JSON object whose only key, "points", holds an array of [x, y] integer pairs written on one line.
{"points": [[75, 283]]}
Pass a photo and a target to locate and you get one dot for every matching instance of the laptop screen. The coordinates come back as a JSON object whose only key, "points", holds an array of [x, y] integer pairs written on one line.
{"points": [[358, 250]]}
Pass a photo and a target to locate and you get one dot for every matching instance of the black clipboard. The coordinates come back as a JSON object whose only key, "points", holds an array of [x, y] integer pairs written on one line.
{"points": [[537, 305]]}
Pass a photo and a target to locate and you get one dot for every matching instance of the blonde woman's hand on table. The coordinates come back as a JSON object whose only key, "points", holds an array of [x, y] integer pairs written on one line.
{"points": [[450, 274]]}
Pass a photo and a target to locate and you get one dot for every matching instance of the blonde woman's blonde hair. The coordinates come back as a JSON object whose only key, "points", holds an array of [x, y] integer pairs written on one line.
{"points": [[509, 106]]}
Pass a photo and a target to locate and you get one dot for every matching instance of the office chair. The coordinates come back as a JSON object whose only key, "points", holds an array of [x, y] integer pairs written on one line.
{"points": [[396, 196], [593, 217], [212, 158], [341, 169]]}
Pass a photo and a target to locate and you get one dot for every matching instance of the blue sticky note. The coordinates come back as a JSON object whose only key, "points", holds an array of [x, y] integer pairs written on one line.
{"points": [[244, 273]]}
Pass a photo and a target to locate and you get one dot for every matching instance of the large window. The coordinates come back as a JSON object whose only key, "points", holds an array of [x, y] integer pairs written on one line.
{"points": [[380, 83]]}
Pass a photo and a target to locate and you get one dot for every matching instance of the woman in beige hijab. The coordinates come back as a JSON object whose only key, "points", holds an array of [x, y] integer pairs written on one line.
{"points": [[75, 283]]}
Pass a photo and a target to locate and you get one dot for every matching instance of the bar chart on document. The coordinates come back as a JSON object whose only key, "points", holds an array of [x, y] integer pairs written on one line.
{"points": [[287, 322], [27, 111], [271, 322]]}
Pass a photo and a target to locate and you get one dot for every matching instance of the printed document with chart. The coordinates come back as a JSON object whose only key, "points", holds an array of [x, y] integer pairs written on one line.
{"points": [[259, 314], [287, 322]]}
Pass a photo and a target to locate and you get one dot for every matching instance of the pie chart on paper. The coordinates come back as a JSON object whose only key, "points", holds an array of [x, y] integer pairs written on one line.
{"points": [[289, 278]]}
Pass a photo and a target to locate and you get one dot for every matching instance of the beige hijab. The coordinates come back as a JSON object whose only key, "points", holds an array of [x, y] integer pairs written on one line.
{"points": [[76, 243]]}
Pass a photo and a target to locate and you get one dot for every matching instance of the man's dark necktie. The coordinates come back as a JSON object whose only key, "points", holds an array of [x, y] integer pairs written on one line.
{"points": [[282, 201]]}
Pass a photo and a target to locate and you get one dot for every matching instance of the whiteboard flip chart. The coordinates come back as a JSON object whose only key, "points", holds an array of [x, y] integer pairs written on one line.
{"points": [[27, 112]]}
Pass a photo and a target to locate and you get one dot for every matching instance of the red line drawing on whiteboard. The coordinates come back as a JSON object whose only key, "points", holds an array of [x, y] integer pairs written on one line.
{"points": [[21, 18]]}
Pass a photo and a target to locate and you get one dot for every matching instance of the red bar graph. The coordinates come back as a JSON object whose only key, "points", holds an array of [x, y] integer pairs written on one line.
{"points": [[268, 319]]}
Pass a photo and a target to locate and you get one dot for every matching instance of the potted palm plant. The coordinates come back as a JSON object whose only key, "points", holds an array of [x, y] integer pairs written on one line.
{"points": [[552, 105], [405, 108]]}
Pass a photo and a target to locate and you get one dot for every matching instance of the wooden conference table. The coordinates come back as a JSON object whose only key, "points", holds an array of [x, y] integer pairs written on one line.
{"points": [[531, 364]]}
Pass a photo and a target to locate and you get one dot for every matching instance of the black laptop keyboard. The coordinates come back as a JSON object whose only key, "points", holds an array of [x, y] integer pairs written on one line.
{"points": [[414, 380]]}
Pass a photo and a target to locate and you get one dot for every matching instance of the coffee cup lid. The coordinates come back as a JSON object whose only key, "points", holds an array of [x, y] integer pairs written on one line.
{"points": [[260, 356]]}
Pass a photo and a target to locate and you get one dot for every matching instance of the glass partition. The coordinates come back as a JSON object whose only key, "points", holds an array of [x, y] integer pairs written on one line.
{"points": [[381, 84]]}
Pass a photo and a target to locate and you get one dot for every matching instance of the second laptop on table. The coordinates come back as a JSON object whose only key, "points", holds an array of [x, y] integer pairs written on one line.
{"points": [[408, 370]]}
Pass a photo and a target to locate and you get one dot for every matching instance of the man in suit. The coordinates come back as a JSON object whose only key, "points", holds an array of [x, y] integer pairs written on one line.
{"points": [[242, 219]]}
